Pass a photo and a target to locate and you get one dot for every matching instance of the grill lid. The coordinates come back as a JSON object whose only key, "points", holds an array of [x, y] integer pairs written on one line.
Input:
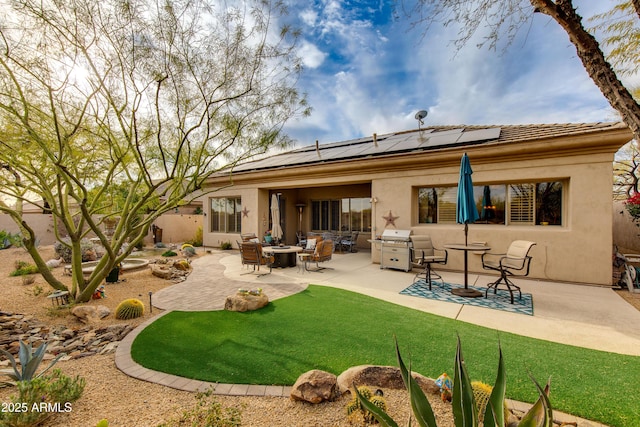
{"points": [[396, 235]]}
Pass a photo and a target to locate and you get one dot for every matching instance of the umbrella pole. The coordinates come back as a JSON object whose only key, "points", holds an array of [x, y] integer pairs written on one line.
{"points": [[466, 232]]}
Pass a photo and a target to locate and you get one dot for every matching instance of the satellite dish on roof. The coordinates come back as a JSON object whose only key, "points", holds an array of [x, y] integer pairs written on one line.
{"points": [[421, 115]]}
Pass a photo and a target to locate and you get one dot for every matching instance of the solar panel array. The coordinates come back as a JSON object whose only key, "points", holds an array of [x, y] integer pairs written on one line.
{"points": [[389, 144]]}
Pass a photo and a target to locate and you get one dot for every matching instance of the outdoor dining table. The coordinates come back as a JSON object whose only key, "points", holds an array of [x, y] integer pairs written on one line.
{"points": [[283, 256], [466, 292]]}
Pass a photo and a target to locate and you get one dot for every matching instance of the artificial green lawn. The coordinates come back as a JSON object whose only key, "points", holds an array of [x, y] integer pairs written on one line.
{"points": [[332, 330]]}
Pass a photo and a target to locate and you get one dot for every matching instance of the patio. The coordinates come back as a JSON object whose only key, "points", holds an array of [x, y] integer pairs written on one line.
{"points": [[587, 316]]}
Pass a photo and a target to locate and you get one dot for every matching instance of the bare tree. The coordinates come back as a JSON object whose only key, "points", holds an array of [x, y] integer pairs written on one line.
{"points": [[626, 172], [149, 96], [504, 18]]}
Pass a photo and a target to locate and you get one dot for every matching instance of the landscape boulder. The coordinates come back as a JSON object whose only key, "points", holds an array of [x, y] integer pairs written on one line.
{"points": [[85, 313], [162, 271], [245, 302], [383, 377], [315, 386], [103, 311]]}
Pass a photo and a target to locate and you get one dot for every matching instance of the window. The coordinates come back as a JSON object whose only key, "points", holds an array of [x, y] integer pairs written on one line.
{"points": [[491, 203], [549, 203], [514, 204], [437, 205], [349, 214], [226, 215], [521, 202]]}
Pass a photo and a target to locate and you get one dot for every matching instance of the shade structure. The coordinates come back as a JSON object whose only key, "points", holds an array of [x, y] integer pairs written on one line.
{"points": [[276, 229], [466, 210]]}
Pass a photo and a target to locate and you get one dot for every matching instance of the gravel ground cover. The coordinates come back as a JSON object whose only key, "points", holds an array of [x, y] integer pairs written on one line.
{"points": [[125, 401]]}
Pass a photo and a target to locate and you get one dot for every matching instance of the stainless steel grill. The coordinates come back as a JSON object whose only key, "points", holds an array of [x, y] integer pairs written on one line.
{"points": [[394, 249]]}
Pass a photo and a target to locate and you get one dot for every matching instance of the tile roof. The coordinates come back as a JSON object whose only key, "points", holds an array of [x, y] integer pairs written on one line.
{"points": [[429, 138]]}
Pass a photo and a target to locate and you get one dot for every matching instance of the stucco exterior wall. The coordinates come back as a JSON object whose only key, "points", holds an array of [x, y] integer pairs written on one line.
{"points": [[626, 234], [579, 250], [176, 228], [42, 225]]}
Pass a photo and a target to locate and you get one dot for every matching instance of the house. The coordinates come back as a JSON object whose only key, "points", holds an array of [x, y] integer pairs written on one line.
{"points": [[549, 183]]}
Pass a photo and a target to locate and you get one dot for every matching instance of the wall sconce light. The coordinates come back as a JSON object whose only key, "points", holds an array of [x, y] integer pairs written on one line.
{"points": [[374, 200]]}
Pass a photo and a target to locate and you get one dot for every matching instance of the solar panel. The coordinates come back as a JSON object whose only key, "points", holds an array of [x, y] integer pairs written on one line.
{"points": [[480, 135], [387, 144]]}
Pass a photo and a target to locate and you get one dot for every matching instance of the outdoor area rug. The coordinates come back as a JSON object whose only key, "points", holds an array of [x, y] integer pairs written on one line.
{"points": [[499, 301]]}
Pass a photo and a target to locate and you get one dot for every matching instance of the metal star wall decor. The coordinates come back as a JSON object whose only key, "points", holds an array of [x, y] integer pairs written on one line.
{"points": [[390, 219], [245, 212]]}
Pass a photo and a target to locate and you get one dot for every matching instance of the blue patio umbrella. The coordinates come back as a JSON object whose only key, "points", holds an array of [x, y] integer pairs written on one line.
{"points": [[466, 211]]}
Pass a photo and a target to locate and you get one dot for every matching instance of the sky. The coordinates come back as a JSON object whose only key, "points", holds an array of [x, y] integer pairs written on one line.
{"points": [[366, 72]]}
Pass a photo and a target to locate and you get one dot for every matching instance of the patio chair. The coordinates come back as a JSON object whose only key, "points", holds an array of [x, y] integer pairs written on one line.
{"points": [[302, 240], [423, 254], [328, 235], [247, 237], [515, 262], [311, 242], [251, 254], [322, 253], [348, 242]]}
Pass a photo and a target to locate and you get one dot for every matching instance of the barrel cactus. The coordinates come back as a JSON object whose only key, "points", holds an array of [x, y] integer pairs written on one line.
{"points": [[357, 412], [129, 309], [481, 394]]}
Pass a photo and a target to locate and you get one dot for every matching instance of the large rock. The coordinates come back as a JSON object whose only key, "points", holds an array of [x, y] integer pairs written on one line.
{"points": [[102, 311], [85, 313], [315, 387], [242, 302], [383, 377], [161, 271]]}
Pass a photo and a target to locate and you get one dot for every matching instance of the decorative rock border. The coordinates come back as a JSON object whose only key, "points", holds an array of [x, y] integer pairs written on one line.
{"points": [[76, 342]]}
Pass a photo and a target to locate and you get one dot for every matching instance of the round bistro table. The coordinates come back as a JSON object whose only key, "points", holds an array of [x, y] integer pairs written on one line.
{"points": [[466, 292]]}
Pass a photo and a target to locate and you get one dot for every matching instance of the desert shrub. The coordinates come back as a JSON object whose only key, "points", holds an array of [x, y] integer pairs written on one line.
{"points": [[63, 249], [169, 253], [8, 239], [207, 412], [226, 246], [23, 268], [35, 290], [42, 398], [197, 239]]}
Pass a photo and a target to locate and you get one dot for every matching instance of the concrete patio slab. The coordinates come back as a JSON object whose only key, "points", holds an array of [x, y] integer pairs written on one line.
{"points": [[576, 314]]}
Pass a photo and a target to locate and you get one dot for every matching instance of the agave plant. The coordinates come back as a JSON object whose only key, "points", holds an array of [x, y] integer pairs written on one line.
{"points": [[30, 360], [463, 403]]}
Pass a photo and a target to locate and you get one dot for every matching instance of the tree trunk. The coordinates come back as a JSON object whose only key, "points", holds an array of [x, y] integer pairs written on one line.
{"points": [[593, 60], [636, 6], [29, 245]]}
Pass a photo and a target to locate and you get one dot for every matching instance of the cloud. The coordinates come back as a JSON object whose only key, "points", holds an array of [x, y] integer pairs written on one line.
{"points": [[311, 56], [375, 73]]}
